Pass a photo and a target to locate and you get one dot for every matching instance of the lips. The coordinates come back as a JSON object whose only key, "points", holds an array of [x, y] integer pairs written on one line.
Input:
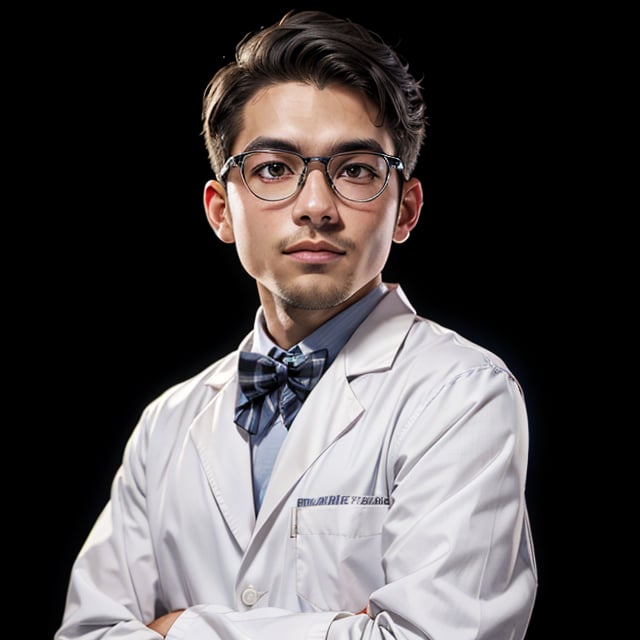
{"points": [[318, 247], [314, 252]]}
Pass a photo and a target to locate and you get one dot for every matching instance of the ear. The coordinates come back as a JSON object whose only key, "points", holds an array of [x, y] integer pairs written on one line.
{"points": [[410, 208], [215, 206]]}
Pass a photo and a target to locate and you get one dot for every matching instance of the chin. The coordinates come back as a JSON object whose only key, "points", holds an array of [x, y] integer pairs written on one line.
{"points": [[316, 297]]}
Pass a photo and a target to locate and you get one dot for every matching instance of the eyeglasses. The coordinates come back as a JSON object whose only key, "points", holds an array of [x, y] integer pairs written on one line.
{"points": [[359, 176]]}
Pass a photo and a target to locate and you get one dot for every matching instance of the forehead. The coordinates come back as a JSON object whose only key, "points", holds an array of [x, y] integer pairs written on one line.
{"points": [[309, 119]]}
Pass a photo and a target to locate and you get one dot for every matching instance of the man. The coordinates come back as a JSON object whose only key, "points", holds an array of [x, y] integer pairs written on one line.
{"points": [[352, 470]]}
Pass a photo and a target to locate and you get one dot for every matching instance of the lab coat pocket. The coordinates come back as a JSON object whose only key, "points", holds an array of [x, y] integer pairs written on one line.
{"points": [[338, 555]]}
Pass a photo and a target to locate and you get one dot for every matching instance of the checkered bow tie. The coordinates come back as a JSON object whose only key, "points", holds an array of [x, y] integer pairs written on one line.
{"points": [[273, 385]]}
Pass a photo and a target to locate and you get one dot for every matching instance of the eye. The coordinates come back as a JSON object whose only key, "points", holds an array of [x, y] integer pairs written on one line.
{"points": [[269, 166], [272, 170], [358, 171], [358, 167]]}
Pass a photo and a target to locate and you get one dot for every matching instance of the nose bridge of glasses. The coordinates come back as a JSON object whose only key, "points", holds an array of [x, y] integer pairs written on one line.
{"points": [[318, 160], [322, 164]]}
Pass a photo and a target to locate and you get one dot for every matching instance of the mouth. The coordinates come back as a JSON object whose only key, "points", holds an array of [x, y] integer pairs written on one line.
{"points": [[314, 252]]}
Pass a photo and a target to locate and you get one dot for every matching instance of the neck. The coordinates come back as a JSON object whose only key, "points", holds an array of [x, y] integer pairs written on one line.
{"points": [[287, 324]]}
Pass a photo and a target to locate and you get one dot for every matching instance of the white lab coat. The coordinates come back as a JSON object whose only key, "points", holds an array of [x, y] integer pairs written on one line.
{"points": [[400, 486]]}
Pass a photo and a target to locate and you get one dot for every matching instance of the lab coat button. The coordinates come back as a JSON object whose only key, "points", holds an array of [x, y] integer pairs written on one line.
{"points": [[249, 596]]}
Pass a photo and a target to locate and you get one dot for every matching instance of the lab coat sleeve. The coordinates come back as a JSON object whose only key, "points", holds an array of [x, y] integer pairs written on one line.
{"points": [[114, 583], [457, 552]]}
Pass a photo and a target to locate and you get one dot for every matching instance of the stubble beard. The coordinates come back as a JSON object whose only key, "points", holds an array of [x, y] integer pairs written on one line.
{"points": [[315, 298]]}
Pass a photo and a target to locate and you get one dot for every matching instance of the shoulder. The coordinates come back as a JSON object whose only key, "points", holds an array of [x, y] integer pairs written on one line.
{"points": [[165, 421], [448, 346], [436, 352], [410, 339]]}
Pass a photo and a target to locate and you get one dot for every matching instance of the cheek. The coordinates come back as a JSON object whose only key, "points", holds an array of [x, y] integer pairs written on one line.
{"points": [[378, 246], [240, 214], [251, 231], [377, 236]]}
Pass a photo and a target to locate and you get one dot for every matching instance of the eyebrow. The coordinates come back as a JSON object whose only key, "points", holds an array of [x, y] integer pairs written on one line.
{"points": [[357, 144]]}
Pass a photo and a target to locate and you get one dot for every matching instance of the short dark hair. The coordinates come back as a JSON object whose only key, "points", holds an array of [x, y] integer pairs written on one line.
{"points": [[316, 48]]}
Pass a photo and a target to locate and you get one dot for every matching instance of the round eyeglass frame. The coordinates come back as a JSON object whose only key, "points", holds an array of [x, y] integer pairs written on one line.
{"points": [[392, 162]]}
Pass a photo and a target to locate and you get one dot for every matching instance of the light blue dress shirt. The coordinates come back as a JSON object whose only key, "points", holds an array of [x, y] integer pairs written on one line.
{"points": [[332, 335]]}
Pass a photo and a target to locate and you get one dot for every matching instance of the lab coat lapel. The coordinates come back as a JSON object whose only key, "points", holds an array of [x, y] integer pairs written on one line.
{"points": [[226, 455]]}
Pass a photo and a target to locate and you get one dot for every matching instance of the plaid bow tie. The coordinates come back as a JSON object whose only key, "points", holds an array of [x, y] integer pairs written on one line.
{"points": [[275, 385]]}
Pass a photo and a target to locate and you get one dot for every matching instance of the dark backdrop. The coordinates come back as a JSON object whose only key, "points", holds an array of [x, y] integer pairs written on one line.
{"points": [[134, 292]]}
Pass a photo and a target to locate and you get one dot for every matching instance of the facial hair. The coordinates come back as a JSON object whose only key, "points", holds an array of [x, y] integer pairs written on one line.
{"points": [[315, 299]]}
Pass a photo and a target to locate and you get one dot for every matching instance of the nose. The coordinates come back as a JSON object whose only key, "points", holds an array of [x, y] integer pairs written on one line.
{"points": [[315, 203]]}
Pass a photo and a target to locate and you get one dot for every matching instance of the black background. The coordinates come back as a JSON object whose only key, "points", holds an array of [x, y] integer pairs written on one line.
{"points": [[132, 291]]}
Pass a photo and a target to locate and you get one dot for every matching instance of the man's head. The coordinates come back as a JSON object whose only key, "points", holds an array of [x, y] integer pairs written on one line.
{"points": [[313, 134]]}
